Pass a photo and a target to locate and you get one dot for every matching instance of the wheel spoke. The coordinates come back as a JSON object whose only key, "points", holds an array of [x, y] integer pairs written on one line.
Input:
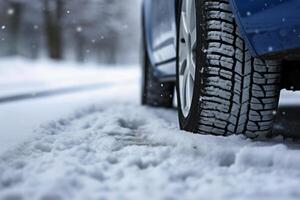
{"points": [[184, 30], [182, 58], [192, 69], [191, 88], [188, 91], [193, 35], [189, 13], [181, 87], [185, 16], [187, 68]]}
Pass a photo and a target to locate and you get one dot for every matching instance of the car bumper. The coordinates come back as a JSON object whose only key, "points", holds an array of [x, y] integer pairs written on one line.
{"points": [[271, 28]]}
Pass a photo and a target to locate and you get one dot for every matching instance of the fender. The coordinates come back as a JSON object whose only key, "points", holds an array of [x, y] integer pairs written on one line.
{"points": [[270, 27], [147, 33], [163, 69]]}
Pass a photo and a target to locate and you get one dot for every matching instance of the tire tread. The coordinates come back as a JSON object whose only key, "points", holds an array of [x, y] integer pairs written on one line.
{"points": [[240, 93]]}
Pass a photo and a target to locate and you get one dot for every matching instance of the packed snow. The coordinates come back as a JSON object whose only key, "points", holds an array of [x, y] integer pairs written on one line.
{"points": [[104, 145]]}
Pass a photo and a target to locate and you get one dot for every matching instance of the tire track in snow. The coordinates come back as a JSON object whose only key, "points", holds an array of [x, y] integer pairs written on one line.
{"points": [[132, 152]]}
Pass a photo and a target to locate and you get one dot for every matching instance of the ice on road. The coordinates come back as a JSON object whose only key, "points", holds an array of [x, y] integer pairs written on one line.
{"points": [[113, 148]]}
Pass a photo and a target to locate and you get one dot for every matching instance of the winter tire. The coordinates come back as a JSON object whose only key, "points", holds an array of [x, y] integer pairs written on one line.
{"points": [[221, 89], [154, 92]]}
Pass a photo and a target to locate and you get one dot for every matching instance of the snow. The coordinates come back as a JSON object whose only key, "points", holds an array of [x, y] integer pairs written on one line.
{"points": [[289, 98], [19, 119], [23, 76], [104, 145]]}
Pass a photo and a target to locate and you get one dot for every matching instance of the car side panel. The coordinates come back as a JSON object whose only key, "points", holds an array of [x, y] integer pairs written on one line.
{"points": [[271, 27], [160, 31]]}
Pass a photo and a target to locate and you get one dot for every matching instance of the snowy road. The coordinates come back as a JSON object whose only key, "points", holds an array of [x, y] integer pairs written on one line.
{"points": [[104, 145]]}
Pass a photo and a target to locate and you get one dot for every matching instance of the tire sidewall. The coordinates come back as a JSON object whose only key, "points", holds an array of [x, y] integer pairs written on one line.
{"points": [[190, 123]]}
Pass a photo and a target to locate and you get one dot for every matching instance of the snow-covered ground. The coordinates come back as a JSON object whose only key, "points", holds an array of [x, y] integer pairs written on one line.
{"points": [[22, 76], [104, 145], [19, 119]]}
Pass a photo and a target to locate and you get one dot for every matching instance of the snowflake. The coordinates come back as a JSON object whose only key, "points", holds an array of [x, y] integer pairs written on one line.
{"points": [[10, 11], [79, 29]]}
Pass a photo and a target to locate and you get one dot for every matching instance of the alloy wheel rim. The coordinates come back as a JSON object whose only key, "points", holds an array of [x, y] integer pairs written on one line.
{"points": [[187, 58]]}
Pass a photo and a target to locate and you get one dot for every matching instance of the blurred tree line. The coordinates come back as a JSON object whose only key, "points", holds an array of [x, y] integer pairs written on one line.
{"points": [[106, 31]]}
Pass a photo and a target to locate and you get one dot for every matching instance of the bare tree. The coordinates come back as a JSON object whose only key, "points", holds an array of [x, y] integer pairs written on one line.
{"points": [[102, 30], [15, 12], [53, 11]]}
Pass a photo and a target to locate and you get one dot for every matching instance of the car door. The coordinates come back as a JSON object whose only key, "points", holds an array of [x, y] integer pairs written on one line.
{"points": [[163, 30]]}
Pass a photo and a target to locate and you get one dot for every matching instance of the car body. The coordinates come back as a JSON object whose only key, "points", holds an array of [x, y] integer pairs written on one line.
{"points": [[271, 29]]}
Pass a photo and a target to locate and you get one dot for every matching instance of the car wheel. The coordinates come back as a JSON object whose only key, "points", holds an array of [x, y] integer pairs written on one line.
{"points": [[222, 90], [154, 92]]}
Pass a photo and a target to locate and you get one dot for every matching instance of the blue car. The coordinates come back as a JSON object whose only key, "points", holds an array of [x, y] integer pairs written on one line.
{"points": [[227, 59]]}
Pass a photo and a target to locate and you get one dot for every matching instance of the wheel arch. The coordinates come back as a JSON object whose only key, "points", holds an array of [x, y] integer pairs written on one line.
{"points": [[235, 10], [270, 28]]}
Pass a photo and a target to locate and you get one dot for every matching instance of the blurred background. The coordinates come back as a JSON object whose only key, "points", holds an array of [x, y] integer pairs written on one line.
{"points": [[101, 31]]}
